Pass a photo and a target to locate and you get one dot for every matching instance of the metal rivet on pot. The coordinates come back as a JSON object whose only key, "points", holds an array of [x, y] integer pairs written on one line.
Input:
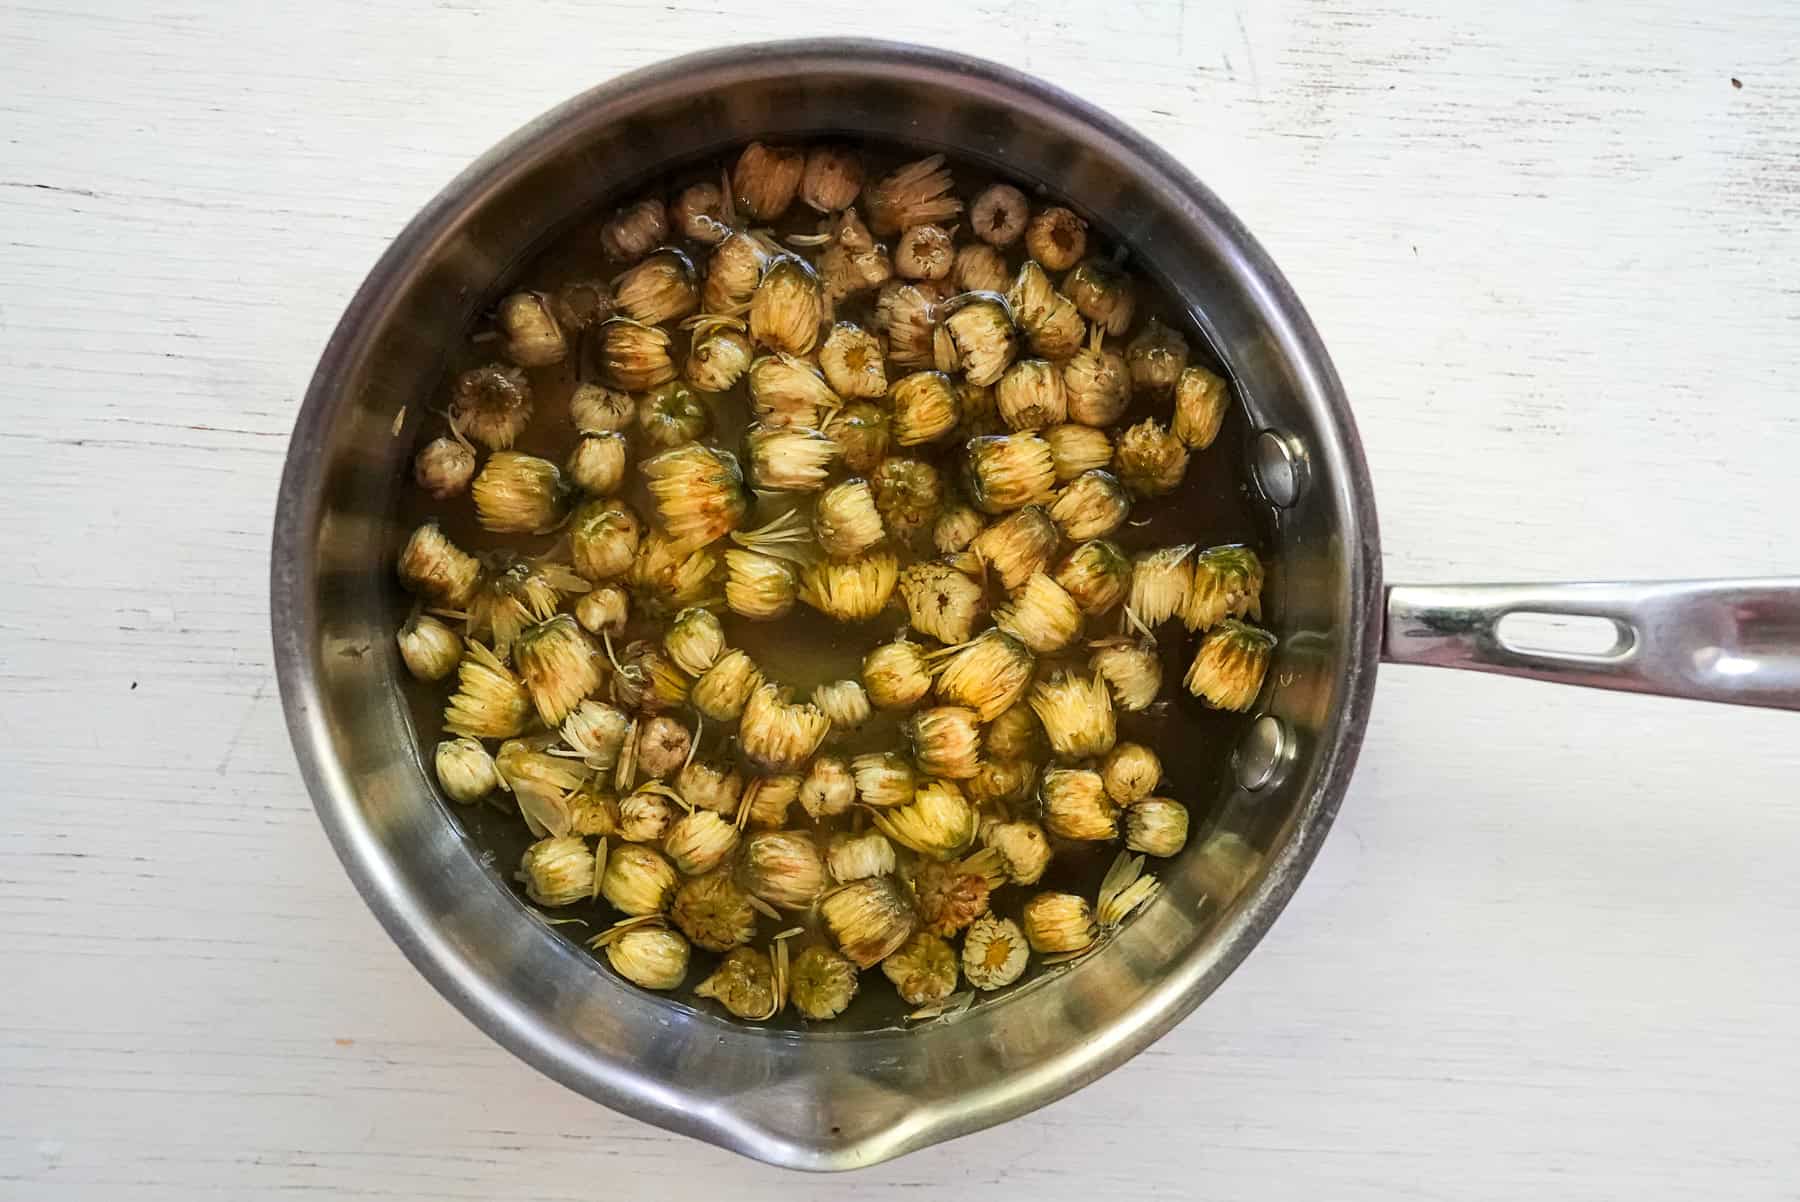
{"points": [[1279, 465], [1259, 759]]}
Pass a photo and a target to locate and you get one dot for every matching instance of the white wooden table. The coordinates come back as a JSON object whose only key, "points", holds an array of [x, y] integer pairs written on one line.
{"points": [[1550, 950]]}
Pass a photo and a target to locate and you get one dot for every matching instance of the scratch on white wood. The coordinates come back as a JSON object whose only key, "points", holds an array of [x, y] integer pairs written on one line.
{"points": [[1549, 949]]}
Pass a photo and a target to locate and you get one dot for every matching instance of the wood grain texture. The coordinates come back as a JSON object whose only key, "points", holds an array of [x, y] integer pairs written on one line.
{"points": [[1549, 950]]}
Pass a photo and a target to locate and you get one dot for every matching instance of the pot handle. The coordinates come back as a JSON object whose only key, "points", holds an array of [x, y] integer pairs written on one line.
{"points": [[1736, 641]]}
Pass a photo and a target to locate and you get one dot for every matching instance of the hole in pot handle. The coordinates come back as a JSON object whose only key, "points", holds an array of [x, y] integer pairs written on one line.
{"points": [[1735, 641]]}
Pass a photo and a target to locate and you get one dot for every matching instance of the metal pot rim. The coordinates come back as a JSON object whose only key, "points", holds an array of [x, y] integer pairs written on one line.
{"points": [[1338, 465]]}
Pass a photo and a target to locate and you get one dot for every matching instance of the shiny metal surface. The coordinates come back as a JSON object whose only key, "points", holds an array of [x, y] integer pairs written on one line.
{"points": [[1279, 464], [1735, 641], [1263, 754], [815, 1100]]}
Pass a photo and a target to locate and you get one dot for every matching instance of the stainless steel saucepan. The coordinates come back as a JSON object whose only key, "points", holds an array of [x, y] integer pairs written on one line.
{"points": [[832, 1100]]}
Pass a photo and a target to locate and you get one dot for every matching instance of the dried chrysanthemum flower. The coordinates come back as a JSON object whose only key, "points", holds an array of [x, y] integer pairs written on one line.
{"points": [[988, 674], [846, 521], [923, 407], [1150, 460], [983, 336], [560, 666], [828, 788], [1103, 293], [1014, 734], [1030, 395], [1200, 402], [1161, 583], [514, 594], [907, 314], [1228, 583], [491, 404], [823, 985], [645, 816], [722, 693], [581, 304], [489, 702], [896, 675], [695, 640], [1157, 356], [733, 272], [635, 356], [861, 431], [1092, 505], [1076, 449], [857, 857], [1018, 546], [699, 841], [999, 214], [868, 919], [1023, 848], [1009, 471], [710, 786], [1227, 672], [465, 770], [994, 952], [852, 361], [981, 268], [1132, 671], [956, 528], [1077, 714], [1076, 806], [661, 289], [914, 194], [543, 784], [1001, 782], [765, 179], [832, 177], [1098, 387], [767, 799], [779, 735], [444, 467], [759, 587], [1096, 574], [636, 230], [603, 539], [938, 822], [699, 491], [1056, 238], [787, 306], [1156, 826], [850, 590], [638, 880], [663, 747], [1058, 923], [701, 213], [592, 811], [908, 494], [719, 355], [883, 779], [664, 579], [947, 739], [597, 731], [782, 868], [1042, 616], [1050, 320], [597, 464], [597, 408], [714, 911], [648, 680], [519, 494], [429, 648], [558, 871], [651, 956], [844, 702], [949, 895], [744, 983], [788, 458], [1124, 890], [670, 415], [923, 969], [787, 390], [924, 252], [941, 601]]}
